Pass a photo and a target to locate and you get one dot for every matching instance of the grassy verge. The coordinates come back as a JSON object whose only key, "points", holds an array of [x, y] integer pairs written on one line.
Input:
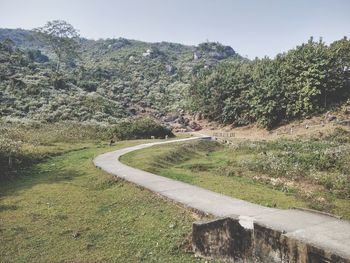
{"points": [[281, 174], [23, 143], [63, 209]]}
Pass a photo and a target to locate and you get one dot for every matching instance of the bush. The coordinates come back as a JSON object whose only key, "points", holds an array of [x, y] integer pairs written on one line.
{"points": [[140, 129], [89, 86]]}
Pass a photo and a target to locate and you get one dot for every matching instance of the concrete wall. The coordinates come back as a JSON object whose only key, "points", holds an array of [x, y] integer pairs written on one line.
{"points": [[230, 240], [223, 238]]}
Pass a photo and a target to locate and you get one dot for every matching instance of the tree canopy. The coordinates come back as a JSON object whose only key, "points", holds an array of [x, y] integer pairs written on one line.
{"points": [[299, 83], [62, 38]]}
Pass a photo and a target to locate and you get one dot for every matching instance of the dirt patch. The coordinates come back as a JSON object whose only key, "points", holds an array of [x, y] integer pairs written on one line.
{"points": [[318, 126]]}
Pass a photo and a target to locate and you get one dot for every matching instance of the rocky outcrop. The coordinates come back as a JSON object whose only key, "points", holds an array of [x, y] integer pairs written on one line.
{"points": [[213, 50], [197, 55], [180, 123], [195, 126], [147, 53], [152, 52], [170, 69]]}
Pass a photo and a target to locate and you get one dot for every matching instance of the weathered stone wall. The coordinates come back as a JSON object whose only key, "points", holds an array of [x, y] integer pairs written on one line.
{"points": [[223, 238], [229, 240]]}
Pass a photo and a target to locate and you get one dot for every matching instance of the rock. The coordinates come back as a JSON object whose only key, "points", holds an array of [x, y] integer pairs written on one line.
{"points": [[152, 52], [170, 118], [180, 130], [209, 63], [169, 68], [347, 110], [195, 126], [158, 114], [186, 121], [196, 55], [133, 111], [214, 50], [148, 53], [216, 55], [331, 118], [180, 120], [321, 200]]}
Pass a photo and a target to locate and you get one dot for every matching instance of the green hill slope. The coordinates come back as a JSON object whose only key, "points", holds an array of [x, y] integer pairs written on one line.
{"points": [[113, 79]]}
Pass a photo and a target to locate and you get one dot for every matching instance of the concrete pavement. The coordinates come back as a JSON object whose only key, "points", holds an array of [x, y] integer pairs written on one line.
{"points": [[321, 231]]}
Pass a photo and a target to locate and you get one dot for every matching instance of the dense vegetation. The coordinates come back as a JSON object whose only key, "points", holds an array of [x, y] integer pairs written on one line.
{"points": [[303, 81], [108, 80], [284, 173], [140, 129], [105, 80]]}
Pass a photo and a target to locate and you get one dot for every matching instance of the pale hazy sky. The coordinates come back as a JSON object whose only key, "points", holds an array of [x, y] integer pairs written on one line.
{"points": [[251, 27]]}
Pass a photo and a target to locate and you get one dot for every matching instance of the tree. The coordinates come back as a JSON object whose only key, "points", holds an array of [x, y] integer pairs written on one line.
{"points": [[62, 38], [8, 45], [299, 83], [306, 74], [340, 71]]}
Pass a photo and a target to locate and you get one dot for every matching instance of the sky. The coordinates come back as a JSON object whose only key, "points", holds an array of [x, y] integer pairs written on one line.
{"points": [[254, 28]]}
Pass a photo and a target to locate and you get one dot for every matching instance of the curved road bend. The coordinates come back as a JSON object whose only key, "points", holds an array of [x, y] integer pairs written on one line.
{"points": [[320, 230]]}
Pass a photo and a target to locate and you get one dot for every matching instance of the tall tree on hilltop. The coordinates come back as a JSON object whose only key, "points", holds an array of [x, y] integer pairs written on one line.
{"points": [[62, 38]]}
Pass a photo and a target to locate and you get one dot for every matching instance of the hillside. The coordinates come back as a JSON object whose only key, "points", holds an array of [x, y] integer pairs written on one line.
{"points": [[113, 79]]}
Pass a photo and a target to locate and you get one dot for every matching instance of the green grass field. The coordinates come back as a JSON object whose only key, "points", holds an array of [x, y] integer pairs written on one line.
{"points": [[65, 210], [234, 172]]}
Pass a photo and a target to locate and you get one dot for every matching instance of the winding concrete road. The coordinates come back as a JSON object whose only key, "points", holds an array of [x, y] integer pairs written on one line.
{"points": [[325, 232]]}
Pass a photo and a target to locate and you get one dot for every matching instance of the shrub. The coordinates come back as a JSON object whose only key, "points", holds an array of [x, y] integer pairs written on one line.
{"points": [[140, 129], [89, 86]]}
